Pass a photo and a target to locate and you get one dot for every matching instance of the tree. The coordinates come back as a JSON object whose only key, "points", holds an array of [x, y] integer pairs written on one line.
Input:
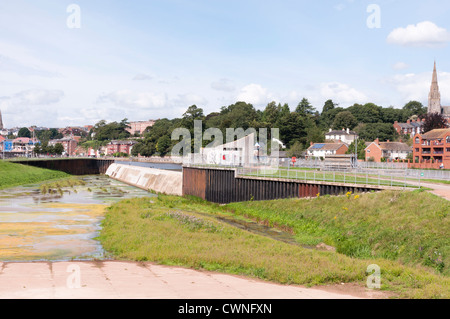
{"points": [[361, 149], [372, 131], [24, 132], [344, 120], [296, 150], [193, 113], [292, 128], [163, 145], [305, 108], [111, 131], [414, 108], [433, 121], [329, 105], [58, 149]]}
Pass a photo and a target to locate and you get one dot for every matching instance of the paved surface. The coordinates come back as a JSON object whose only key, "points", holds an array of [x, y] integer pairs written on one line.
{"points": [[442, 190], [126, 280]]}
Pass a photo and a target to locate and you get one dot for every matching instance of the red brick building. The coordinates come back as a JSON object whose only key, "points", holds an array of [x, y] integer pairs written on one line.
{"points": [[391, 151], [69, 144], [410, 128], [120, 147], [432, 149], [139, 127]]}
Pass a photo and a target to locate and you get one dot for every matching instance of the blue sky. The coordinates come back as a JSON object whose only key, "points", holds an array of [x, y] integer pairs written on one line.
{"points": [[152, 59]]}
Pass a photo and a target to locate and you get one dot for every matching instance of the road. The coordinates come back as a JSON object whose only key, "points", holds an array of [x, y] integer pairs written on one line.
{"points": [[132, 280]]}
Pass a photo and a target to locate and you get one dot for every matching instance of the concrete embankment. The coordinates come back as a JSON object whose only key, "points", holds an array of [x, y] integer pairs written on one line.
{"points": [[157, 180]]}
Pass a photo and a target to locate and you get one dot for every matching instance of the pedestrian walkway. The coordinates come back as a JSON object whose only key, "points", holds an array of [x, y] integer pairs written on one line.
{"points": [[131, 280]]}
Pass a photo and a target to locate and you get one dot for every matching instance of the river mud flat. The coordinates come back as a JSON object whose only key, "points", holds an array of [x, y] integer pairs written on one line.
{"points": [[58, 226]]}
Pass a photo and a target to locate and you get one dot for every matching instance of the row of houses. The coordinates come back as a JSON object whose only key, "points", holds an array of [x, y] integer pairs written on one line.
{"points": [[429, 150], [24, 147]]}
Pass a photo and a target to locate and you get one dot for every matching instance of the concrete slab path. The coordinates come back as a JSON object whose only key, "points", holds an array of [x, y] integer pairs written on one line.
{"points": [[132, 280]]}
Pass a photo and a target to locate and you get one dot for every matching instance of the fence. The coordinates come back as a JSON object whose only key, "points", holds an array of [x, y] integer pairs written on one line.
{"points": [[354, 177]]}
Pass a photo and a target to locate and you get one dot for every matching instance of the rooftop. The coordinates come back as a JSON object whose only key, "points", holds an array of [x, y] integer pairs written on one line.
{"points": [[326, 146], [437, 133]]}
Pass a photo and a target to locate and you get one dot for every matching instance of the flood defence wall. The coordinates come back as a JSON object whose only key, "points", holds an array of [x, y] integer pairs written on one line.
{"points": [[151, 179], [77, 166], [223, 186]]}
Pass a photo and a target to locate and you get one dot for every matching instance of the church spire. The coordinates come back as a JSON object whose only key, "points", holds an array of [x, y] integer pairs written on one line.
{"points": [[434, 98]]}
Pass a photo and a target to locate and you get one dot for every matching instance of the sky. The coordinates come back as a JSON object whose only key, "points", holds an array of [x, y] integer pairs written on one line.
{"points": [[73, 63]]}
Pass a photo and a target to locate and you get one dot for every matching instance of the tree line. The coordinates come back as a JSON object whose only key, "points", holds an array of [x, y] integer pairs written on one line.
{"points": [[298, 126]]}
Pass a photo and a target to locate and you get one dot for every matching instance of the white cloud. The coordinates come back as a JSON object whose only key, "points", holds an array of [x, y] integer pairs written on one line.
{"points": [[255, 94], [400, 66], [424, 34], [131, 99], [417, 86], [142, 77], [341, 93], [223, 85], [26, 100]]}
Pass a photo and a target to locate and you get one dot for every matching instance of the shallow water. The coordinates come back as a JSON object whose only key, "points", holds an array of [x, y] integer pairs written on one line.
{"points": [[58, 227]]}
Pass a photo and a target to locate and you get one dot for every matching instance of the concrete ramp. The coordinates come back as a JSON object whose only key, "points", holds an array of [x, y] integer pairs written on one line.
{"points": [[157, 180]]}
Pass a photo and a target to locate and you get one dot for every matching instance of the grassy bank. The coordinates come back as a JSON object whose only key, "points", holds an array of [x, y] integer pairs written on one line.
{"points": [[184, 231], [410, 227], [12, 174]]}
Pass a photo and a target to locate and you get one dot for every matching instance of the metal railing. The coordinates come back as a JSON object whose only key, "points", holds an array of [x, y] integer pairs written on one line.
{"points": [[355, 177]]}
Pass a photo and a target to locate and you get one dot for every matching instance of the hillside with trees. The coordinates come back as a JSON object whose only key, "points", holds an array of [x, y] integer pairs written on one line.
{"points": [[298, 126]]}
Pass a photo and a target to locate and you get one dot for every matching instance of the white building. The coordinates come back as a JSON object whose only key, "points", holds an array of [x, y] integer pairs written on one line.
{"points": [[345, 135], [322, 150], [241, 152]]}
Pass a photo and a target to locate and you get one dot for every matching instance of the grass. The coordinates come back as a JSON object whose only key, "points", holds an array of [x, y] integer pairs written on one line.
{"points": [[410, 227], [12, 174], [182, 231]]}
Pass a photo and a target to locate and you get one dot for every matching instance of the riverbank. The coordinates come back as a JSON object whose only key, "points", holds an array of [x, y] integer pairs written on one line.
{"points": [[12, 174], [185, 232]]}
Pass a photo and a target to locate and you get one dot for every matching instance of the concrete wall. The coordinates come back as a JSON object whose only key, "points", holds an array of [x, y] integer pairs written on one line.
{"points": [[157, 180]]}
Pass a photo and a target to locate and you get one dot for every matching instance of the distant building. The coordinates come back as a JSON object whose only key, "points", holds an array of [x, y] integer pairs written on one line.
{"points": [[139, 127], [1, 121], [410, 128], [434, 98], [345, 135], [120, 147], [391, 151], [326, 149], [72, 131], [241, 152], [432, 149], [23, 146], [69, 144]]}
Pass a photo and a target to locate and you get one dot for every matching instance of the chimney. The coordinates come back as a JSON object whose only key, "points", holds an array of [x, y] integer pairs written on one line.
{"points": [[388, 141], [311, 143], [330, 129], [377, 141], [396, 122], [408, 121], [348, 130]]}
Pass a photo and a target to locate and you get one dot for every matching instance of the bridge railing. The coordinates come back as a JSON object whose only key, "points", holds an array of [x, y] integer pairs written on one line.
{"points": [[355, 178]]}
